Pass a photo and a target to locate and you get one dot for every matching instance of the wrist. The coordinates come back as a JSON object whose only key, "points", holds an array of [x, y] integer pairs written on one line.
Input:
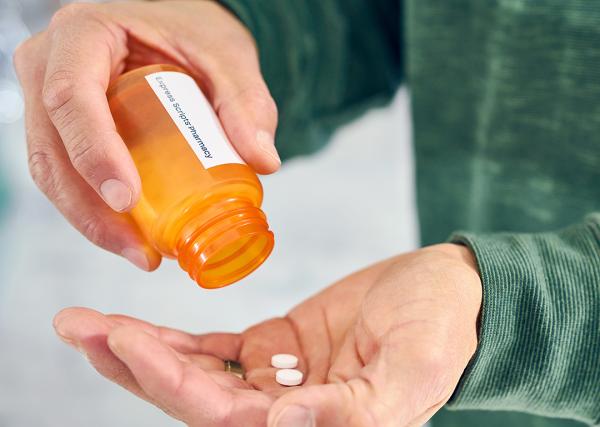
{"points": [[471, 283], [459, 252]]}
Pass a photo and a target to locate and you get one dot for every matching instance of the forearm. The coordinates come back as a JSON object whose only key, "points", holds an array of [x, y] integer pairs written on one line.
{"points": [[539, 348]]}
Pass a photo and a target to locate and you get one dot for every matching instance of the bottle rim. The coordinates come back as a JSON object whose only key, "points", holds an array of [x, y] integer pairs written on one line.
{"points": [[227, 248]]}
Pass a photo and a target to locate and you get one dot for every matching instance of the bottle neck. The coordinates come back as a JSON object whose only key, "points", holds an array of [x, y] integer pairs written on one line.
{"points": [[224, 243]]}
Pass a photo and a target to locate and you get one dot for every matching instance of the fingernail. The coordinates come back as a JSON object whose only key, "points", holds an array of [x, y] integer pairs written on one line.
{"points": [[137, 258], [295, 416], [62, 334], [116, 194], [266, 142], [64, 337]]}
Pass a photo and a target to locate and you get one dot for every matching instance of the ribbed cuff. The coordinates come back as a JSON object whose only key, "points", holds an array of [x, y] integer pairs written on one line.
{"points": [[539, 342]]}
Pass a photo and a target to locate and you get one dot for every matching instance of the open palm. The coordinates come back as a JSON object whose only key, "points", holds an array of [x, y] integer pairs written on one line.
{"points": [[383, 347]]}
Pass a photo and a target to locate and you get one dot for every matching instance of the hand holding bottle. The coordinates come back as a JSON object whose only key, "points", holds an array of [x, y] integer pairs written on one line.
{"points": [[76, 156]]}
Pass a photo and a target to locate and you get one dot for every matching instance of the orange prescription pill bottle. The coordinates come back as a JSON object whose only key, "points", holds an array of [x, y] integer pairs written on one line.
{"points": [[200, 202]]}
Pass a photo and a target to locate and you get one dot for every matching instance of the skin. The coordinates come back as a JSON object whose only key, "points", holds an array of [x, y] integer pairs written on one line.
{"points": [[76, 157], [385, 346]]}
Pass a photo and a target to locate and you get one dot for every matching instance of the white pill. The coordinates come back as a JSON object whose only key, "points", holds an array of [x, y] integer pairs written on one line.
{"points": [[284, 361], [289, 377]]}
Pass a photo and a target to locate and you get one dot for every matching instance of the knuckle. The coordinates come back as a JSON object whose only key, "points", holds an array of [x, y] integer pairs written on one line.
{"points": [[120, 374], [21, 55], [58, 91], [94, 229], [265, 102], [69, 13], [83, 155], [262, 100], [42, 170]]}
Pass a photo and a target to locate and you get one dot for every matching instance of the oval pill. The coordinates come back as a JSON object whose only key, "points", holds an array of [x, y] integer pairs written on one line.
{"points": [[289, 377], [284, 361]]}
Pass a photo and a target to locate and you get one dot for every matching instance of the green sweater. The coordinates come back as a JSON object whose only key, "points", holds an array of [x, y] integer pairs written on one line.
{"points": [[506, 110]]}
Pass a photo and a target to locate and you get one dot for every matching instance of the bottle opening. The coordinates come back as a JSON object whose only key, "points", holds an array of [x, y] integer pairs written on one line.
{"points": [[231, 247], [235, 260]]}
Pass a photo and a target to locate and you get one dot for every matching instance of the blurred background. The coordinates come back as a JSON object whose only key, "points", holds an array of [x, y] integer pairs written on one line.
{"points": [[332, 213]]}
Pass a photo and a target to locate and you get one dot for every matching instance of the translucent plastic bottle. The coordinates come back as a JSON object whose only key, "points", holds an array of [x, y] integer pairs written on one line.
{"points": [[200, 202]]}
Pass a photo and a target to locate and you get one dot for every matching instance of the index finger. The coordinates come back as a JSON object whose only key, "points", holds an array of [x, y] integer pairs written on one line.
{"points": [[86, 50]]}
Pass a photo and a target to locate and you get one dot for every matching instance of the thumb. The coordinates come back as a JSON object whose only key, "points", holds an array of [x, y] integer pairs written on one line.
{"points": [[345, 404], [399, 387]]}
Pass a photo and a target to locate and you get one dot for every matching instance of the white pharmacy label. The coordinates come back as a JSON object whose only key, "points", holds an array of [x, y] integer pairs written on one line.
{"points": [[194, 117]]}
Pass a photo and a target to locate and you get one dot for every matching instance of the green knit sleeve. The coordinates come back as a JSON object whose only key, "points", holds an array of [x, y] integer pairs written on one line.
{"points": [[539, 344], [325, 62]]}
